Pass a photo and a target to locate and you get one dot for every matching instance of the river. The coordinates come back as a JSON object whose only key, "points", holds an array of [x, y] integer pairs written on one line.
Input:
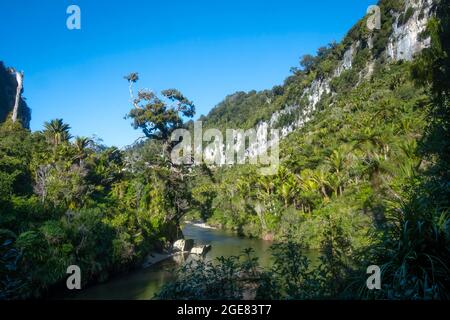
{"points": [[144, 283]]}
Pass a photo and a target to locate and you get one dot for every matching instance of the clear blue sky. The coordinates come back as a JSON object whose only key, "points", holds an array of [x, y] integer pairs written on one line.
{"points": [[206, 49]]}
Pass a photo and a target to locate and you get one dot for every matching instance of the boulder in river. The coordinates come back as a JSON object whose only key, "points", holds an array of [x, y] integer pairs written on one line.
{"points": [[183, 245], [201, 250]]}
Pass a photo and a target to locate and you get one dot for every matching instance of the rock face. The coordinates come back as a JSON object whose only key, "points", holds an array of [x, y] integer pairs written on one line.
{"points": [[405, 40], [201, 250], [8, 90], [404, 43], [183, 245]]}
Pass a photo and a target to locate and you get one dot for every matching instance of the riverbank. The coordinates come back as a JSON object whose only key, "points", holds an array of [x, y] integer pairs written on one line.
{"points": [[144, 283], [202, 225]]}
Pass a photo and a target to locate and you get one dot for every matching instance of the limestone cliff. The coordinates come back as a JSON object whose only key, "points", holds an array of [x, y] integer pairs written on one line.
{"points": [[403, 28], [9, 82]]}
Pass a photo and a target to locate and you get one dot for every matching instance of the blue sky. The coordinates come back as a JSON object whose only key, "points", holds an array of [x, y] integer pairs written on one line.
{"points": [[206, 49]]}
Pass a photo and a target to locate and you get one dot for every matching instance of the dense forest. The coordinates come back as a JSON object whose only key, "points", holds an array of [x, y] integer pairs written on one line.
{"points": [[366, 181]]}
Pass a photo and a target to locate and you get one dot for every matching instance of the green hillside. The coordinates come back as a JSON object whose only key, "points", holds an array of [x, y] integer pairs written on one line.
{"points": [[363, 180]]}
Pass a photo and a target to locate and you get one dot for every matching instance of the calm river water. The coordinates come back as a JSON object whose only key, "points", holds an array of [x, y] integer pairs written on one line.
{"points": [[145, 283]]}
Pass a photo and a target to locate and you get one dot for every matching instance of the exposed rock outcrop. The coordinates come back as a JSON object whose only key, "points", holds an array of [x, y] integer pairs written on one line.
{"points": [[12, 104], [201, 250], [183, 245], [404, 43], [405, 40]]}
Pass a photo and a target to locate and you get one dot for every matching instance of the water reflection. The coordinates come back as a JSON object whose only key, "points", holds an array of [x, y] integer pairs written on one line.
{"points": [[145, 283]]}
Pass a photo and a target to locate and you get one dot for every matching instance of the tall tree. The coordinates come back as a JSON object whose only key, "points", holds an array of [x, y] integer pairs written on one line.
{"points": [[57, 131], [158, 116], [81, 144]]}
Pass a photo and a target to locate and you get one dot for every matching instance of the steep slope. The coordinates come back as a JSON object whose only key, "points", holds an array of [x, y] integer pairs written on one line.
{"points": [[336, 68], [8, 87], [351, 121]]}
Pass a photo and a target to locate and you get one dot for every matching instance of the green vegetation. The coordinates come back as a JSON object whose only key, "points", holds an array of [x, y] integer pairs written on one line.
{"points": [[66, 202], [381, 36], [365, 182], [343, 161], [404, 17]]}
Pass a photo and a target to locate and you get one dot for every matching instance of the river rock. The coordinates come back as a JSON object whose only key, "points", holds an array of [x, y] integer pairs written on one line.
{"points": [[268, 236], [183, 245], [201, 250]]}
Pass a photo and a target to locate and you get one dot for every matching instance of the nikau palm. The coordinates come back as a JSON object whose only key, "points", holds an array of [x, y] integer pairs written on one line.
{"points": [[57, 131], [81, 145]]}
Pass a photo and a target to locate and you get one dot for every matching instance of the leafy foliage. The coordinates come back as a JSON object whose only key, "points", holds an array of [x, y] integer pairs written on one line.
{"points": [[365, 181]]}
